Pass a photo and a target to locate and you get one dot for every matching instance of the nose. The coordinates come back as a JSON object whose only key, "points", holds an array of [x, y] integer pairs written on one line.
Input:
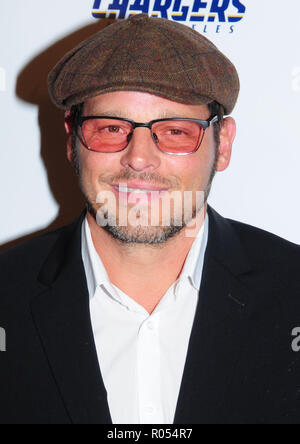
{"points": [[141, 154]]}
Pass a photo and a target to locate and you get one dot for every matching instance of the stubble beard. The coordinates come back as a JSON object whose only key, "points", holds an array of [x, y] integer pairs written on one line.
{"points": [[146, 235]]}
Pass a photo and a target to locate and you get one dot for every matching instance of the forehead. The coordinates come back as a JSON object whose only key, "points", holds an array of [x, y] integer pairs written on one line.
{"points": [[136, 104]]}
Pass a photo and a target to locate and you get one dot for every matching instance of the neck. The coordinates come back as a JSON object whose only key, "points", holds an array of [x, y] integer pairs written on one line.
{"points": [[139, 269]]}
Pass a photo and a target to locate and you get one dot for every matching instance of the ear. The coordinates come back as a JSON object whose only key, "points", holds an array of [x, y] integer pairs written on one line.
{"points": [[68, 128], [227, 136]]}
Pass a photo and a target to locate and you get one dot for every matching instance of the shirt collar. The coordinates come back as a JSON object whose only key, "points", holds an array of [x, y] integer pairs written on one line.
{"points": [[96, 273], [194, 262]]}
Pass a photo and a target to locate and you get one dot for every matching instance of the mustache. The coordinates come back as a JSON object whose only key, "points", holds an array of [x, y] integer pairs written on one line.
{"points": [[151, 178]]}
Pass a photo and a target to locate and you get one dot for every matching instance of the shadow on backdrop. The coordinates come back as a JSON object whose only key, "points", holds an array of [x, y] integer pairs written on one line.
{"points": [[32, 88]]}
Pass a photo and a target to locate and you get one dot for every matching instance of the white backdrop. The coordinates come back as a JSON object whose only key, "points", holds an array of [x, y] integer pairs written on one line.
{"points": [[261, 186]]}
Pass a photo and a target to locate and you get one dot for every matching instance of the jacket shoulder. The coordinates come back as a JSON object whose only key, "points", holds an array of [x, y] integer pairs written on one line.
{"points": [[256, 234], [267, 250], [21, 263]]}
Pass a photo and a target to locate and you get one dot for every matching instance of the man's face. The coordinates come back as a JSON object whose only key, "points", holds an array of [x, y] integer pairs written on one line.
{"points": [[142, 165]]}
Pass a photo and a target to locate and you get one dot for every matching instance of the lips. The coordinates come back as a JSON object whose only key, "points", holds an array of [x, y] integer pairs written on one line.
{"points": [[135, 190], [138, 188], [129, 191]]}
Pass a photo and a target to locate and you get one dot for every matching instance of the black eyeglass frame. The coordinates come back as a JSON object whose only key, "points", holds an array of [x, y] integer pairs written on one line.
{"points": [[205, 124]]}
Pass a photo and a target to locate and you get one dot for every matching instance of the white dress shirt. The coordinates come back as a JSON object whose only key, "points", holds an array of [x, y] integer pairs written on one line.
{"points": [[142, 356]]}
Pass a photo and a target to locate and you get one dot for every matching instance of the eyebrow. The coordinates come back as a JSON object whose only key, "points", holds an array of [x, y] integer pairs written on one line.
{"points": [[122, 115]]}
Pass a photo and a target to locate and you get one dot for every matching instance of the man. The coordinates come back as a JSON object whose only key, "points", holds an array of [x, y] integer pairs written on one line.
{"points": [[119, 317]]}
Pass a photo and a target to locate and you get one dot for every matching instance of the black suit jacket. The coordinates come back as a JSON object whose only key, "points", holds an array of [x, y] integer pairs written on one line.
{"points": [[240, 366]]}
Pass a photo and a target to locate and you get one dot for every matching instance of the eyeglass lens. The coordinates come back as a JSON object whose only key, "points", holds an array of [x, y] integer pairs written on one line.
{"points": [[112, 135]]}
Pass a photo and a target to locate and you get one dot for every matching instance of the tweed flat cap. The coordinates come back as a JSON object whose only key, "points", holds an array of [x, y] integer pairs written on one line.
{"points": [[148, 54]]}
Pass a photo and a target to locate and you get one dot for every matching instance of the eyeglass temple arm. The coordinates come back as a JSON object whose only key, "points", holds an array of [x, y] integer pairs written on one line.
{"points": [[213, 120]]}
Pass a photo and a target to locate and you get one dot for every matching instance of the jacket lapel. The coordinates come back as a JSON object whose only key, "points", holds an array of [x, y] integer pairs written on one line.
{"points": [[219, 328], [62, 317]]}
